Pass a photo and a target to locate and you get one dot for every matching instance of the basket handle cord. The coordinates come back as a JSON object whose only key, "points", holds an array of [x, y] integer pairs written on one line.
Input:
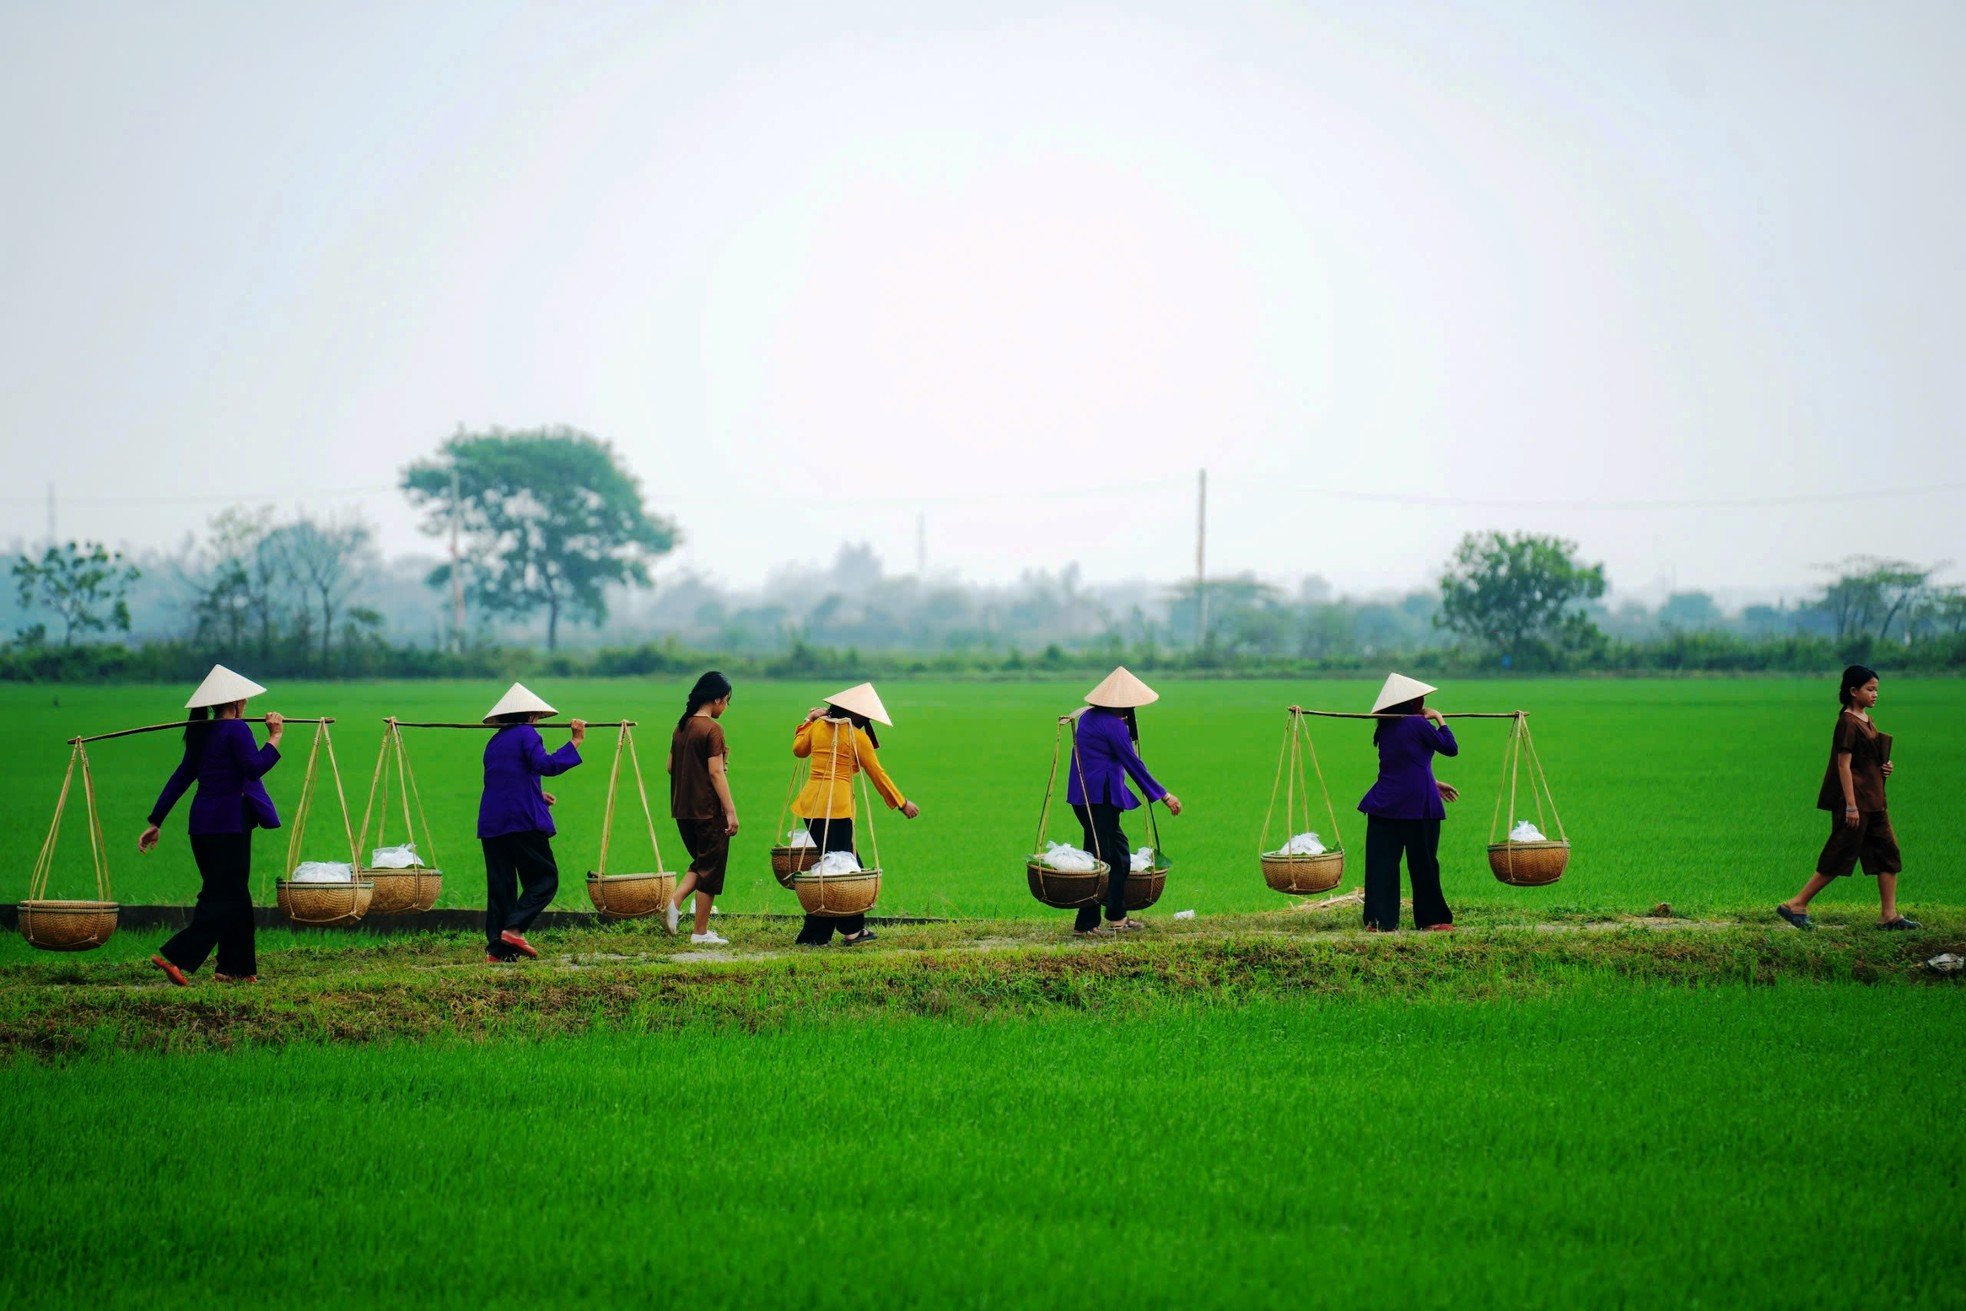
{"points": [[625, 741], [1078, 767], [1297, 741], [1521, 743], [1050, 782], [44, 862], [304, 808]]}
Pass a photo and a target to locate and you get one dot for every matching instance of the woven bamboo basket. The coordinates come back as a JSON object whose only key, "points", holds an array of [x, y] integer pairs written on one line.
{"points": [[1067, 889], [404, 891], [1528, 864], [838, 894], [1300, 875], [630, 896], [787, 861], [67, 925], [325, 905], [1143, 887]]}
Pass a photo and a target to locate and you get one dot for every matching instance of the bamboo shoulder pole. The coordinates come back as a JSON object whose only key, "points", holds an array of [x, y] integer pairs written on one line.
{"points": [[1459, 714], [591, 723], [184, 723]]}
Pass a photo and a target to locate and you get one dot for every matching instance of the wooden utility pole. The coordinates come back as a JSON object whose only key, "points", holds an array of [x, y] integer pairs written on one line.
{"points": [[457, 558], [1201, 563]]}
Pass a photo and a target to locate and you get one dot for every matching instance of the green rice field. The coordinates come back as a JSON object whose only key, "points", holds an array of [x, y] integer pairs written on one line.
{"points": [[1697, 792], [1601, 1143]]}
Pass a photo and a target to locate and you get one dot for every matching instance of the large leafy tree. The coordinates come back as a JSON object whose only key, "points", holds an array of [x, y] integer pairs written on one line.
{"points": [[1520, 594], [548, 519], [85, 584]]}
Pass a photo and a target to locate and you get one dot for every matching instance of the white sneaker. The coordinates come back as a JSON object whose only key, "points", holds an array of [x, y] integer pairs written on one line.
{"points": [[671, 916], [709, 939]]}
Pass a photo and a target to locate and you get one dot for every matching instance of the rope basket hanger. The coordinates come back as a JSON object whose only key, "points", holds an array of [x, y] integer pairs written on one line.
{"points": [[628, 896], [335, 902], [849, 892], [1299, 875], [792, 857], [1532, 864], [60, 925], [404, 889], [1064, 889], [1144, 886]]}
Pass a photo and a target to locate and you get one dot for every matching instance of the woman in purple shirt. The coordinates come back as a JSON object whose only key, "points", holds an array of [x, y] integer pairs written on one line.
{"points": [[223, 759], [1403, 809], [1105, 753], [514, 825]]}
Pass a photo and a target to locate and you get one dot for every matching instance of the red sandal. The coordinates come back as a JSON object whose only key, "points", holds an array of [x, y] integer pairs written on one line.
{"points": [[517, 942], [172, 972]]}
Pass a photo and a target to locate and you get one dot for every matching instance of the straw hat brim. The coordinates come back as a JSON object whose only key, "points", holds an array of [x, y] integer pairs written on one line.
{"points": [[221, 688], [861, 699], [1400, 689], [1120, 690], [519, 700]]}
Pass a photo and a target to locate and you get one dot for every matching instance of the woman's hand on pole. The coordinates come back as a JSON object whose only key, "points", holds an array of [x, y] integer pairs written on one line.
{"points": [[1448, 792], [148, 841], [1173, 803], [578, 727], [276, 725], [1440, 720], [909, 810]]}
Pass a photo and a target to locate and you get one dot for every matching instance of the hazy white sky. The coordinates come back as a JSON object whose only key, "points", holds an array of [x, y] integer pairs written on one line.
{"points": [[819, 268]]}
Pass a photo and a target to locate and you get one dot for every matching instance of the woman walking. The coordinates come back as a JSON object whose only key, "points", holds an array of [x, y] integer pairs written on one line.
{"points": [[1853, 793], [222, 757], [514, 825], [839, 739], [700, 803], [1403, 809], [1105, 753]]}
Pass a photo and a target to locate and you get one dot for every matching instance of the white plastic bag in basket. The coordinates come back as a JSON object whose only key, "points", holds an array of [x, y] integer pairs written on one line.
{"points": [[1304, 844], [403, 857], [1142, 860], [321, 871], [1068, 859], [798, 837], [1526, 832], [838, 862]]}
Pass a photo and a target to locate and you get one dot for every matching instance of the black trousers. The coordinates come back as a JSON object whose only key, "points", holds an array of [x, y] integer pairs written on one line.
{"points": [[520, 880], [831, 835], [1386, 840], [223, 916], [1103, 838]]}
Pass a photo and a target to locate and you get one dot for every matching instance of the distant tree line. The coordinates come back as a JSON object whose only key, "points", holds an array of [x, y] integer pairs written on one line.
{"points": [[552, 531]]}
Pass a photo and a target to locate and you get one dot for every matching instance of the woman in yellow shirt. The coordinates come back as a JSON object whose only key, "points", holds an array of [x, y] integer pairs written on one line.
{"points": [[838, 738]]}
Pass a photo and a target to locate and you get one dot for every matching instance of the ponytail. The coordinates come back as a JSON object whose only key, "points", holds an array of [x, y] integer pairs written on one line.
{"points": [[713, 686]]}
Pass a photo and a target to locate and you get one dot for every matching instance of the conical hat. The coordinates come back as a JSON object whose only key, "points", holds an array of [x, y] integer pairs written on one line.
{"points": [[1400, 689], [1120, 690], [221, 688], [862, 700], [518, 700]]}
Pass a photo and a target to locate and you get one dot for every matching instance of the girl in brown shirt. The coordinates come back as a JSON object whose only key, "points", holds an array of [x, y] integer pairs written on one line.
{"points": [[1853, 793]]}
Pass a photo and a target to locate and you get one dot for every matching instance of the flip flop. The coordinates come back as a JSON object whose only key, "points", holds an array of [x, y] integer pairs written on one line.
{"points": [[172, 972], [1900, 925], [1092, 933], [1798, 918]]}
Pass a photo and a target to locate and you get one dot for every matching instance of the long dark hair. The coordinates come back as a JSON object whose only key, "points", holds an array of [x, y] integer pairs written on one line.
{"points": [[1854, 677], [860, 722], [1403, 708], [197, 727], [713, 686]]}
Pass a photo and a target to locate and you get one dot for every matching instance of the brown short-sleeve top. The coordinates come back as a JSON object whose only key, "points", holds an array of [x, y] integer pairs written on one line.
{"points": [[1868, 750], [691, 793]]}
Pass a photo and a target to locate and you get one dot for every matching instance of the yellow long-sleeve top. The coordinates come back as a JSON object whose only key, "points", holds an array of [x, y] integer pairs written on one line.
{"points": [[837, 750]]}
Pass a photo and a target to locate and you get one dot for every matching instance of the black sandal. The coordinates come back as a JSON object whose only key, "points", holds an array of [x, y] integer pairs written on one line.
{"points": [[1798, 918], [1900, 925]]}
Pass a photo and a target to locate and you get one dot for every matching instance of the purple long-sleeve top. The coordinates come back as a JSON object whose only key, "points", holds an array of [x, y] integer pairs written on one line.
{"points": [[226, 762], [1406, 788], [514, 802], [1104, 754]]}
